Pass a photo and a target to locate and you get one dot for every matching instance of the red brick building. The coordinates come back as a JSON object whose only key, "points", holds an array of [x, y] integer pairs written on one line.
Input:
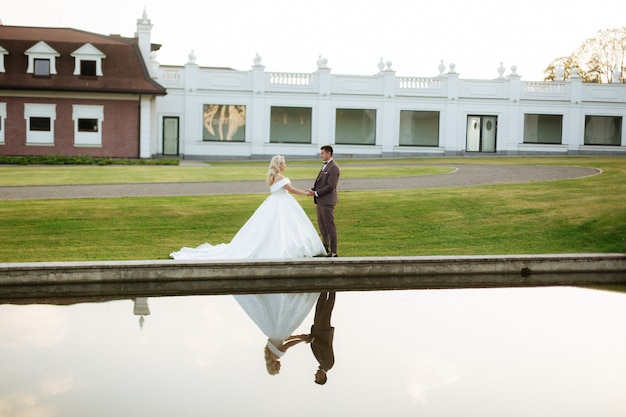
{"points": [[70, 92]]}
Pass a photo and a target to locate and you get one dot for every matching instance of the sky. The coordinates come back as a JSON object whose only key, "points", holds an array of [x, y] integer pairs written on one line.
{"points": [[353, 35]]}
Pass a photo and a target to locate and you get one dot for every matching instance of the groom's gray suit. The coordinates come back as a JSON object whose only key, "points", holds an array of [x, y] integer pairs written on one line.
{"points": [[325, 198]]}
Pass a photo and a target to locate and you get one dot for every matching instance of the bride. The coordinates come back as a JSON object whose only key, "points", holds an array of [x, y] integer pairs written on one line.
{"points": [[279, 228]]}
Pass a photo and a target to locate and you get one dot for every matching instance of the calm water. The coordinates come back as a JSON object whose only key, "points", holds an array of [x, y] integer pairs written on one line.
{"points": [[504, 352]]}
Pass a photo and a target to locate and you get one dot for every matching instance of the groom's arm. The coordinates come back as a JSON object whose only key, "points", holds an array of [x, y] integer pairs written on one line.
{"points": [[332, 179]]}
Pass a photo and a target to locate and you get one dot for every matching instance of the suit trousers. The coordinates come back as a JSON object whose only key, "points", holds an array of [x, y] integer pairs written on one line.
{"points": [[326, 224]]}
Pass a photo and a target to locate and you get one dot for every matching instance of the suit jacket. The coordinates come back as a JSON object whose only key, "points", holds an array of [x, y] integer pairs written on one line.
{"points": [[326, 184], [322, 346]]}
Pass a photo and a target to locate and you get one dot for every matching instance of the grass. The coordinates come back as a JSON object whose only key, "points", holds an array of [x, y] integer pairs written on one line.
{"points": [[570, 216], [215, 171]]}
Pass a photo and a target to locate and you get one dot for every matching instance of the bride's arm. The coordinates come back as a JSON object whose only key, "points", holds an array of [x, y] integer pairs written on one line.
{"points": [[290, 343], [292, 190]]}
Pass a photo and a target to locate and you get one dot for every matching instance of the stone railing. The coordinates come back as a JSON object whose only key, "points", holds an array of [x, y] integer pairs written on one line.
{"points": [[544, 87], [384, 84], [419, 83], [288, 78]]}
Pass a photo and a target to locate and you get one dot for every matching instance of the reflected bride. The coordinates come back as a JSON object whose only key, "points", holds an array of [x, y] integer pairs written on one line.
{"points": [[278, 316]]}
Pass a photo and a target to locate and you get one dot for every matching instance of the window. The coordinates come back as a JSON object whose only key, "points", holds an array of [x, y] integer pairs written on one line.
{"points": [[603, 130], [543, 128], [88, 121], [419, 128], [88, 61], [87, 125], [290, 125], [41, 60], [42, 67], [40, 123], [88, 68], [224, 122], [355, 127]]}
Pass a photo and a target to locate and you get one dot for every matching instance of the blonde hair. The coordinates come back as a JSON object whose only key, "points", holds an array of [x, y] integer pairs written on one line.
{"points": [[274, 168], [270, 362]]}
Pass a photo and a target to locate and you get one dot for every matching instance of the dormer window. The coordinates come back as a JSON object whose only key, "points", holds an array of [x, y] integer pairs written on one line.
{"points": [[41, 59], [88, 61]]}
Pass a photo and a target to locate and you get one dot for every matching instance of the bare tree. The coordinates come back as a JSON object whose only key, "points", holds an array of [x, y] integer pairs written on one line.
{"points": [[599, 59], [560, 68]]}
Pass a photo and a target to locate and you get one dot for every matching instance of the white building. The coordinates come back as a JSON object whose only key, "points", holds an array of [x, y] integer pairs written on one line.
{"points": [[213, 113]]}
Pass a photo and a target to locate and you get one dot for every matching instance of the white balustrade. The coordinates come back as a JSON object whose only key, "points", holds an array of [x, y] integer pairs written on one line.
{"points": [[544, 87], [170, 75], [288, 78], [419, 83]]}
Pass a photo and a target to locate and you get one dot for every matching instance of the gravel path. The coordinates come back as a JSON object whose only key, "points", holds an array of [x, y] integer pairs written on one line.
{"points": [[463, 176]]}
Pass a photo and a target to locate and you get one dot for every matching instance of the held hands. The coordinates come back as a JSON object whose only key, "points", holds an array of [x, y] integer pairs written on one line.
{"points": [[307, 338], [310, 193]]}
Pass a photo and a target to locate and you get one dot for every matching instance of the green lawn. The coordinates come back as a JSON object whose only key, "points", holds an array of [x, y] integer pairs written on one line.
{"points": [[569, 216]]}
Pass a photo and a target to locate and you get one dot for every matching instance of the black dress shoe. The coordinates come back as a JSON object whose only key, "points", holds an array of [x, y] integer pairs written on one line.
{"points": [[330, 255]]}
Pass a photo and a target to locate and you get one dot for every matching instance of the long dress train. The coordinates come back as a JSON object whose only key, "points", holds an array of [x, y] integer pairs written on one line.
{"points": [[279, 228]]}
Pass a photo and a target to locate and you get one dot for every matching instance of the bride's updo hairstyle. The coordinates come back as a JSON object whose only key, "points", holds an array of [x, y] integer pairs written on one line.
{"points": [[274, 168], [270, 363]]}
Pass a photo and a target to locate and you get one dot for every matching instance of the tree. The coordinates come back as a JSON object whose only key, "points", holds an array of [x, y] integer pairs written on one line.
{"points": [[597, 58]]}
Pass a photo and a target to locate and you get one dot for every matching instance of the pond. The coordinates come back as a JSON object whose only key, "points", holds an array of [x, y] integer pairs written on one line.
{"points": [[554, 351]]}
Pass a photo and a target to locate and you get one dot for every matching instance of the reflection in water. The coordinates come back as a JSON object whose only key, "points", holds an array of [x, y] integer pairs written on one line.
{"points": [[321, 336], [277, 316], [141, 309], [515, 352]]}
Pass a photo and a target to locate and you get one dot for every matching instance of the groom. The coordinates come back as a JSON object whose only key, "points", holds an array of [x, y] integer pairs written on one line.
{"points": [[324, 194]]}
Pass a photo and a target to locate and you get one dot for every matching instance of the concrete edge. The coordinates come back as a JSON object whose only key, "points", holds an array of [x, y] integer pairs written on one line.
{"points": [[59, 281]]}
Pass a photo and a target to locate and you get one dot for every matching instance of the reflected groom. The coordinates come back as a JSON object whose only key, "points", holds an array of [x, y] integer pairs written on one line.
{"points": [[322, 334]]}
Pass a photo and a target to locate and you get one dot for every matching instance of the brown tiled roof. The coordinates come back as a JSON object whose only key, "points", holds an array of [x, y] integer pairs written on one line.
{"points": [[123, 69]]}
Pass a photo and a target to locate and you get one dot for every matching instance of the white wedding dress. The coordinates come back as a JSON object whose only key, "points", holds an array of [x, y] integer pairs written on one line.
{"points": [[278, 229]]}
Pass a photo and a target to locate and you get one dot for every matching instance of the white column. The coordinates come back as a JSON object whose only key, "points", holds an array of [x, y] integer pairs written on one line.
{"points": [[575, 134], [323, 133], [388, 118], [145, 119], [514, 118], [454, 129], [259, 120]]}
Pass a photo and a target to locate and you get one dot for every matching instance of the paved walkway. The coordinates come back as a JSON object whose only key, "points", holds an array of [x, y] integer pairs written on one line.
{"points": [[462, 176]]}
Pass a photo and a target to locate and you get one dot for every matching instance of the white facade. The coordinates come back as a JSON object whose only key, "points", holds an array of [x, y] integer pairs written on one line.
{"points": [[517, 113]]}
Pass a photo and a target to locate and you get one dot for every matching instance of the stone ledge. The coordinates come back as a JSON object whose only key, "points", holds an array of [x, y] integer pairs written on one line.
{"points": [[37, 282]]}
